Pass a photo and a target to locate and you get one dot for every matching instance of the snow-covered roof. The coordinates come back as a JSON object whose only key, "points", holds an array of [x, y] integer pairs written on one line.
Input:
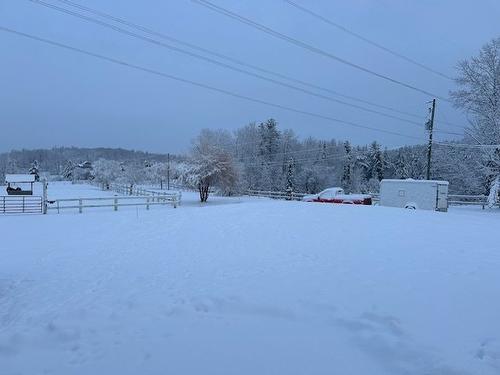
{"points": [[17, 178], [333, 189], [411, 180]]}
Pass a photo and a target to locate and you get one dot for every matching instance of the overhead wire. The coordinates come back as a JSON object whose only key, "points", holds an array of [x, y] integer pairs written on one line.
{"points": [[215, 62], [365, 39], [229, 58], [311, 48], [202, 85]]}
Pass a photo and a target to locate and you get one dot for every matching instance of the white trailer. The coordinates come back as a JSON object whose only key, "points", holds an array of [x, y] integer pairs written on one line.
{"points": [[415, 194]]}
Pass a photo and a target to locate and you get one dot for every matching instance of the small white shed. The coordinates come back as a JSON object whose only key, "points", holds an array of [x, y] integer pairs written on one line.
{"points": [[415, 194]]}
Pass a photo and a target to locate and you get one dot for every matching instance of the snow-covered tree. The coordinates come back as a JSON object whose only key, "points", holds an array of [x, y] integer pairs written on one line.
{"points": [[157, 173], [269, 138], [377, 161], [479, 96], [132, 175], [400, 167], [347, 176], [68, 170], [494, 196], [106, 171], [209, 166], [290, 178], [35, 170], [372, 164]]}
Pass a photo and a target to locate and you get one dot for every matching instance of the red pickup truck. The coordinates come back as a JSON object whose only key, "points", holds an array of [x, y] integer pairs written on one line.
{"points": [[337, 195]]}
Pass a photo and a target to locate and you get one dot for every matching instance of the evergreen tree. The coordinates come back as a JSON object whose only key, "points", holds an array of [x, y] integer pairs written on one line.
{"points": [[290, 179], [348, 168], [269, 140], [401, 170], [270, 175], [68, 170], [34, 170], [376, 161]]}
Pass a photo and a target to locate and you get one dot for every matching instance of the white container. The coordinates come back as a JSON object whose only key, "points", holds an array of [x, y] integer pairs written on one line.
{"points": [[415, 194]]}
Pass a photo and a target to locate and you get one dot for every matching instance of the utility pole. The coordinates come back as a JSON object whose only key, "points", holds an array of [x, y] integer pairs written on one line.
{"points": [[168, 171], [430, 126]]}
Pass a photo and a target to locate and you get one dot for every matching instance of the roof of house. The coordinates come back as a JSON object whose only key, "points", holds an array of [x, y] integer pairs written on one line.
{"points": [[18, 178]]}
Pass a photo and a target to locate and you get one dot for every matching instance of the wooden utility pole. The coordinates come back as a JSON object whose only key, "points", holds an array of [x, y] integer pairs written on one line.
{"points": [[430, 126]]}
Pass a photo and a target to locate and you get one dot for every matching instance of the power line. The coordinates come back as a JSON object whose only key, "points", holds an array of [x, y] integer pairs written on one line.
{"points": [[447, 132], [202, 85], [310, 47], [305, 159], [289, 153], [229, 58], [467, 145], [354, 152], [365, 39], [222, 56], [215, 62]]}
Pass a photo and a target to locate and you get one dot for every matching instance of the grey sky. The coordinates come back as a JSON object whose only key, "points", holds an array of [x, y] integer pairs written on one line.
{"points": [[55, 97]]}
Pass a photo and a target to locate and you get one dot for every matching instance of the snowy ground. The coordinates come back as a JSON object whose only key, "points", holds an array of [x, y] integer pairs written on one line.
{"points": [[252, 286]]}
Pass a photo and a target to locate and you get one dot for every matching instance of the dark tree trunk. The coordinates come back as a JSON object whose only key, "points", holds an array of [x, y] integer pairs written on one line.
{"points": [[203, 190]]}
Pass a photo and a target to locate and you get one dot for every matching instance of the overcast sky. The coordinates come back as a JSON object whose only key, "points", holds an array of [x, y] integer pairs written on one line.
{"points": [[54, 97]]}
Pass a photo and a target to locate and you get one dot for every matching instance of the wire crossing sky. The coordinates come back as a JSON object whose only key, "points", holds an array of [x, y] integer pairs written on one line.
{"points": [[209, 52], [202, 85], [212, 61], [312, 48], [53, 98], [365, 39]]}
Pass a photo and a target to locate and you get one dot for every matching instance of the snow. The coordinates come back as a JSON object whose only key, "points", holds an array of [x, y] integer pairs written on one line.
{"points": [[411, 180], [250, 286], [17, 178]]}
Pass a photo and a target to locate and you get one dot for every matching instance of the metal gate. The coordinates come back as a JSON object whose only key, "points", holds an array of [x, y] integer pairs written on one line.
{"points": [[20, 204]]}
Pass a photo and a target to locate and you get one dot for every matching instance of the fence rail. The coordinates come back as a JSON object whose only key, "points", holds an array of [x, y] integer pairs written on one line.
{"points": [[12, 204], [140, 191], [468, 200], [276, 194], [112, 202]]}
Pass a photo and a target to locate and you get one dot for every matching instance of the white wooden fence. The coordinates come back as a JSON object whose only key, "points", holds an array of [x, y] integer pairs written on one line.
{"points": [[468, 200], [276, 194], [140, 191], [112, 202], [20, 204]]}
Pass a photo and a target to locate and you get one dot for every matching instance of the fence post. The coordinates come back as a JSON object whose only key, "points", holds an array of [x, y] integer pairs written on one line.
{"points": [[116, 204], [4, 204], [58, 207], [147, 203], [44, 202], [23, 203], [80, 208]]}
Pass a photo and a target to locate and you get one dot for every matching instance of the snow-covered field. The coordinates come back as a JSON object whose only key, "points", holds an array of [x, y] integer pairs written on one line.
{"points": [[251, 286]]}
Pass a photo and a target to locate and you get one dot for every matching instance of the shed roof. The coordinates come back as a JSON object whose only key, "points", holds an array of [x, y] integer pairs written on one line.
{"points": [[17, 178]]}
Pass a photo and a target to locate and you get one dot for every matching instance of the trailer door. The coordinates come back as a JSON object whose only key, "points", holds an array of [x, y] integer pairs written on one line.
{"points": [[442, 197]]}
